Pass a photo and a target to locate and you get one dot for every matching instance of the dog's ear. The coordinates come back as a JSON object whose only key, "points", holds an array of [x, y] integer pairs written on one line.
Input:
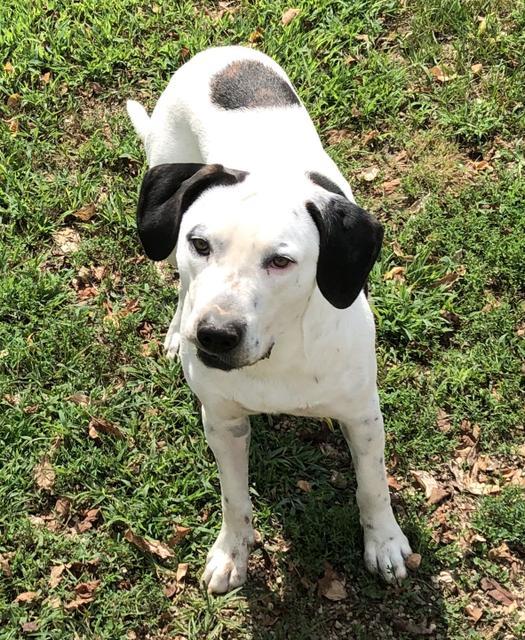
{"points": [[167, 191], [349, 243]]}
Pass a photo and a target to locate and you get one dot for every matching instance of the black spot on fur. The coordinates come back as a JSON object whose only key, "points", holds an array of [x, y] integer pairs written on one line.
{"points": [[247, 84], [322, 181]]}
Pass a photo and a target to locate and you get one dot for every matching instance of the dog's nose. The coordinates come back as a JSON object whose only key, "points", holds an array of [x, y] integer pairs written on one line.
{"points": [[219, 338]]}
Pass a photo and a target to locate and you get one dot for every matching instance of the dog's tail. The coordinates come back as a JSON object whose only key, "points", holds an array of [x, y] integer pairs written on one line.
{"points": [[139, 118]]}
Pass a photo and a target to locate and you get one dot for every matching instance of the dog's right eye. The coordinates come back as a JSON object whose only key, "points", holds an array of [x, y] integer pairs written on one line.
{"points": [[201, 246]]}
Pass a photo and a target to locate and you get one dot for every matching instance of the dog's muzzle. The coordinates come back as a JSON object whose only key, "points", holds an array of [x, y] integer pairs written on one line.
{"points": [[217, 341]]}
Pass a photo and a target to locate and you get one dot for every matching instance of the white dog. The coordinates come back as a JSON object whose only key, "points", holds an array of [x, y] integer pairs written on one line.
{"points": [[273, 255]]}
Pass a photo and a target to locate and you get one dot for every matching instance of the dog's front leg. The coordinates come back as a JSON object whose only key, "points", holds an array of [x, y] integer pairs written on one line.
{"points": [[172, 340], [386, 547], [228, 558]]}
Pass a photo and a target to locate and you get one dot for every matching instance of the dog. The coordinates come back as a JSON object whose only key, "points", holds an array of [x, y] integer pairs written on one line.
{"points": [[273, 255]]}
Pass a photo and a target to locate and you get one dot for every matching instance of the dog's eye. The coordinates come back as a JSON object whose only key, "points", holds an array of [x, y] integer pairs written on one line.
{"points": [[280, 262], [201, 246]]}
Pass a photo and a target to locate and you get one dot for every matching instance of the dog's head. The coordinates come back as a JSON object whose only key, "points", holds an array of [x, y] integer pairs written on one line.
{"points": [[250, 252]]}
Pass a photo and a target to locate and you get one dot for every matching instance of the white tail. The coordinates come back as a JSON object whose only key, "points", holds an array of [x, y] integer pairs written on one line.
{"points": [[139, 118]]}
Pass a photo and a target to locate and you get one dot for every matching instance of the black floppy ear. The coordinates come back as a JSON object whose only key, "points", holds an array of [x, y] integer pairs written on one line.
{"points": [[349, 243], [166, 193]]}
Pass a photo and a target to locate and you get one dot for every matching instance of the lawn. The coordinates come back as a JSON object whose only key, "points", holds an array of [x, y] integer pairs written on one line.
{"points": [[108, 492]]}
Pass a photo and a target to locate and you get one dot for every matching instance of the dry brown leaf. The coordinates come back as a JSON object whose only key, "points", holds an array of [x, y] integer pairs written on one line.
{"points": [[8, 67], [481, 165], [54, 602], [170, 589], [85, 213], [182, 570], [5, 568], [45, 78], [390, 185], [453, 276], [441, 75], [369, 174], [67, 240], [26, 596], [30, 627], [428, 483], [331, 586], [362, 37], [289, 15], [413, 561], [393, 483], [180, 533], [100, 426], [335, 136], [497, 592], [14, 126], [304, 485], [396, 248], [443, 421], [90, 517], [148, 545], [473, 612], [396, 273], [56, 575], [63, 507], [13, 102], [79, 398], [84, 594], [255, 36], [44, 475]]}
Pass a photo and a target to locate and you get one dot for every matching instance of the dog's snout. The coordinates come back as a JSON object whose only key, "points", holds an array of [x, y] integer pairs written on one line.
{"points": [[217, 338]]}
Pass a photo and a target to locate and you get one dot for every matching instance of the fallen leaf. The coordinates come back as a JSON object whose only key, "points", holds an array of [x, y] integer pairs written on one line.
{"points": [[332, 586], [289, 15], [369, 174], [148, 545], [155, 8], [440, 75], [85, 213], [182, 570], [304, 485], [45, 78], [14, 126], [390, 185], [90, 517], [255, 36], [481, 165], [476, 68], [434, 493], [453, 276], [170, 589], [497, 592], [79, 398], [362, 37], [100, 426], [5, 568], [67, 240], [482, 27], [473, 612], [396, 273], [30, 627], [13, 102], [338, 480], [443, 421], [396, 248], [26, 596], [413, 628], [413, 561], [63, 507], [393, 483], [56, 575], [44, 475], [180, 533], [84, 594], [8, 67], [54, 602], [335, 136]]}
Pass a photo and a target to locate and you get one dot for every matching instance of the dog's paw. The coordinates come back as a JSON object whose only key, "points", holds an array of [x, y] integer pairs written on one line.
{"points": [[227, 562], [386, 549], [171, 345]]}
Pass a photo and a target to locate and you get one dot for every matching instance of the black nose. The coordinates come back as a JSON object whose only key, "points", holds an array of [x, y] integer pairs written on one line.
{"points": [[219, 338]]}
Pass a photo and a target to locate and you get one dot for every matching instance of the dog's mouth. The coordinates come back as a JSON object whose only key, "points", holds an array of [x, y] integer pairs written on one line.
{"points": [[228, 364]]}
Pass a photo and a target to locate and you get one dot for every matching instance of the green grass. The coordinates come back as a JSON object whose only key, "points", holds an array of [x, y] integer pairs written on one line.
{"points": [[445, 342]]}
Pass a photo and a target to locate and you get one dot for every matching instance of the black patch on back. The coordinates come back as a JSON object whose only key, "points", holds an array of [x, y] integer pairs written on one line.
{"points": [[322, 181], [246, 84]]}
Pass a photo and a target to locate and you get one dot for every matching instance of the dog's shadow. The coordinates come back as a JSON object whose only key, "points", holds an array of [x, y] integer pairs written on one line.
{"points": [[303, 481]]}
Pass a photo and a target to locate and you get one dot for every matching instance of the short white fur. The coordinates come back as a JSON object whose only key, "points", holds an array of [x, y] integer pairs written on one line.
{"points": [[277, 146]]}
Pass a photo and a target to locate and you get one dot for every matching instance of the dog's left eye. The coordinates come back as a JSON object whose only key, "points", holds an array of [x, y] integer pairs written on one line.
{"points": [[201, 246], [280, 262]]}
